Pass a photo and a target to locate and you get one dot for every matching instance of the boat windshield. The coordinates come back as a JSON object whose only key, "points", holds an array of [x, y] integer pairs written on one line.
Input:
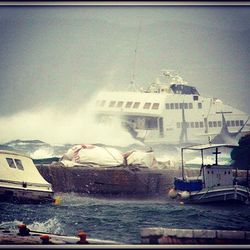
{"points": [[193, 158], [184, 89]]}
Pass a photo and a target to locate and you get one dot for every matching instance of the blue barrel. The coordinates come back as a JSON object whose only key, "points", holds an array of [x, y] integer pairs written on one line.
{"points": [[187, 185]]}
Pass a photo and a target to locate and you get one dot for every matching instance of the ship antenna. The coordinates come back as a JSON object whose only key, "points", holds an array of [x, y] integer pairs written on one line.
{"points": [[132, 82]]}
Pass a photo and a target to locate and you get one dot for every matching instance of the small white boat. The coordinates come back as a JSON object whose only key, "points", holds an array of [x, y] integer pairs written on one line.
{"points": [[215, 183], [21, 181]]}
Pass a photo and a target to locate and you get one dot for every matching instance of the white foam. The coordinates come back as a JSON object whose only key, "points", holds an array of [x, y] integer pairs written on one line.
{"points": [[42, 153], [59, 127], [50, 226]]}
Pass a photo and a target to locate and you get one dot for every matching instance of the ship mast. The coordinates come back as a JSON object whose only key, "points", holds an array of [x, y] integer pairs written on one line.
{"points": [[132, 82]]}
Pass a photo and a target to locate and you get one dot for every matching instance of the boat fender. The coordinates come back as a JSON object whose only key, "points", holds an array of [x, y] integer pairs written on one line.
{"points": [[83, 238], [172, 193], [57, 200], [45, 239], [23, 230], [185, 195]]}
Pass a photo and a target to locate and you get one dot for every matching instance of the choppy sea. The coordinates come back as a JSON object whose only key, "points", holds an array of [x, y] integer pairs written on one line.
{"points": [[116, 219], [120, 219]]}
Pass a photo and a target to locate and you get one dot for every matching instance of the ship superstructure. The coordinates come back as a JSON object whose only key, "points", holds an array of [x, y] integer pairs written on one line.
{"points": [[172, 111]]}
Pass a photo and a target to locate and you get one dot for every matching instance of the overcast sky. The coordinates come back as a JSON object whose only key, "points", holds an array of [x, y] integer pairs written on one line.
{"points": [[58, 57]]}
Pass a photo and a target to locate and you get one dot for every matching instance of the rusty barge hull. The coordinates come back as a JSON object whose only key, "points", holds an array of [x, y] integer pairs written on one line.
{"points": [[114, 181]]}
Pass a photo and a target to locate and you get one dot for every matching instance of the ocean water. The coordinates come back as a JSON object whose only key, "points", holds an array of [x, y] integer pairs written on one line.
{"points": [[116, 219], [121, 219]]}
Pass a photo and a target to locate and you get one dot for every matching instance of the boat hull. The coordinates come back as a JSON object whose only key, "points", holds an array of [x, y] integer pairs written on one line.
{"points": [[235, 193], [25, 195]]}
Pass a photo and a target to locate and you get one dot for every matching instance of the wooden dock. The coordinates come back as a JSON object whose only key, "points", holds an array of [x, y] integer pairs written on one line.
{"points": [[170, 236], [24, 236], [156, 236]]}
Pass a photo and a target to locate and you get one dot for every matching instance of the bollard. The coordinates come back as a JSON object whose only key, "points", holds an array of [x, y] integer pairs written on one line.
{"points": [[45, 239], [83, 237], [23, 230]]}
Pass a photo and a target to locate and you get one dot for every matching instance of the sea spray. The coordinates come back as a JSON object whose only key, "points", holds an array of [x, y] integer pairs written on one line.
{"points": [[57, 126], [51, 225], [43, 152]]}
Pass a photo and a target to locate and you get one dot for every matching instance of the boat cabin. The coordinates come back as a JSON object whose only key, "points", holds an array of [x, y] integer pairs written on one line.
{"points": [[211, 175], [20, 179]]}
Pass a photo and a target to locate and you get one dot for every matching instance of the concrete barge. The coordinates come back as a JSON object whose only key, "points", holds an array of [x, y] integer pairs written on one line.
{"points": [[124, 180]]}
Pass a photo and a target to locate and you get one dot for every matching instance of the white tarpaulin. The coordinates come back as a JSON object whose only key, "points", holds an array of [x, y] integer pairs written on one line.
{"points": [[141, 158], [92, 155]]}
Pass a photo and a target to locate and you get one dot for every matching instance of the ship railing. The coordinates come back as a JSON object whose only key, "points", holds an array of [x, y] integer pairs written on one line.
{"points": [[25, 184]]}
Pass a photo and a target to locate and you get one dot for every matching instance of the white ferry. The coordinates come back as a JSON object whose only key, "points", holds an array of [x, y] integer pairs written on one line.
{"points": [[171, 111], [21, 181]]}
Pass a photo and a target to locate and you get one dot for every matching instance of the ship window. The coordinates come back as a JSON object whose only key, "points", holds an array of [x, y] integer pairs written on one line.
{"points": [[147, 105], [192, 124], [119, 104], [167, 106], [128, 104], [201, 125], [215, 124], [199, 105], [19, 164], [190, 105], [155, 105], [210, 124], [228, 172], [151, 123], [237, 123], [102, 103], [176, 105], [208, 172], [171, 106], [195, 98], [197, 124], [187, 124], [178, 124], [228, 123], [112, 104], [219, 123], [241, 122], [136, 105], [11, 163], [181, 105], [185, 106], [233, 123], [183, 89]]}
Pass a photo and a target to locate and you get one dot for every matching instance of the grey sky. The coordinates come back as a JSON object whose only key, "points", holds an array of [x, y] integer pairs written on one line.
{"points": [[58, 56]]}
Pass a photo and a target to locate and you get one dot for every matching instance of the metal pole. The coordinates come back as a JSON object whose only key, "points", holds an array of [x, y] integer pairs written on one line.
{"points": [[216, 156], [202, 166], [182, 164], [202, 163], [247, 177]]}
